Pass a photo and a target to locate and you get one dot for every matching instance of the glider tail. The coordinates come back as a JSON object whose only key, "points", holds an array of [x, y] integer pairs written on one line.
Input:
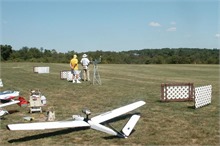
{"points": [[128, 128], [102, 128]]}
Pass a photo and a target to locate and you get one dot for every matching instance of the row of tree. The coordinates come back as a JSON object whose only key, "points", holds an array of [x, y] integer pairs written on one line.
{"points": [[144, 56]]}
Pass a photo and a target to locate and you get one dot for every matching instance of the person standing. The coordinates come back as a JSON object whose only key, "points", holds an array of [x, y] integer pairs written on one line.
{"points": [[85, 64], [74, 69]]}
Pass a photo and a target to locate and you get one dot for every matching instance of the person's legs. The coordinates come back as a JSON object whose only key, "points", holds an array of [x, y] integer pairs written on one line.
{"points": [[87, 75], [84, 74], [73, 75]]}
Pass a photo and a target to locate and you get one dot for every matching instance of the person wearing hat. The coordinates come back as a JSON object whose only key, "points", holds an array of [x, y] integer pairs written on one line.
{"points": [[85, 64], [74, 69]]}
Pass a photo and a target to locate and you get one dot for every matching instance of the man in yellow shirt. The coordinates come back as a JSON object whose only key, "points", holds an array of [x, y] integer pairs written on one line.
{"points": [[74, 69]]}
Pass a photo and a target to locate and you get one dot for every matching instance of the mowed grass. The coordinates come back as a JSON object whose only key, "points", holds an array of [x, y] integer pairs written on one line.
{"points": [[171, 123]]}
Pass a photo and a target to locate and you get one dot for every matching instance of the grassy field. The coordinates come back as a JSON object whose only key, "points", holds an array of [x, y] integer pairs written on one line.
{"points": [[171, 123]]}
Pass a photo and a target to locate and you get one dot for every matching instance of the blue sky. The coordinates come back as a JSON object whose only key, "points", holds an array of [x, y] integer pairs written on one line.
{"points": [[110, 25]]}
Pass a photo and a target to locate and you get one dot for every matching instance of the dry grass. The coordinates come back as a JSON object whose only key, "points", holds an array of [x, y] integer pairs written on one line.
{"points": [[171, 123]]}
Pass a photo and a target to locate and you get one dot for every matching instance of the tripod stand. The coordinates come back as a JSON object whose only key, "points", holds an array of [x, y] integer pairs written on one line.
{"points": [[96, 76]]}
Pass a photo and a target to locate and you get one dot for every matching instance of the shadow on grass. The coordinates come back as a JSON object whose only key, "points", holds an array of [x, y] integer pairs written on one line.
{"points": [[12, 111], [116, 137], [110, 137], [191, 107], [49, 134]]}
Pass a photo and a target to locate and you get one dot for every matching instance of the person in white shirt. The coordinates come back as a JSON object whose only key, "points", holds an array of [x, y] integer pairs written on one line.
{"points": [[85, 64]]}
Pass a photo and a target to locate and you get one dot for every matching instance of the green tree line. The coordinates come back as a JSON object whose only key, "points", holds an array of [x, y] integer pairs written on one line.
{"points": [[144, 56]]}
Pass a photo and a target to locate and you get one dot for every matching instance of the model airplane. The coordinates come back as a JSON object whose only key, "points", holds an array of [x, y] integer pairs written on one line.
{"points": [[8, 95], [8, 98], [94, 123]]}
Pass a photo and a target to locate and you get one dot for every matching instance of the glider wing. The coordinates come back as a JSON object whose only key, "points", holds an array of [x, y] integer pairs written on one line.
{"points": [[47, 125], [9, 103], [117, 112]]}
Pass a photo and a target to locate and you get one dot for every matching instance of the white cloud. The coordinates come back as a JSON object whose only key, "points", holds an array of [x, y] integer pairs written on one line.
{"points": [[171, 29], [217, 35], [154, 24], [173, 23]]}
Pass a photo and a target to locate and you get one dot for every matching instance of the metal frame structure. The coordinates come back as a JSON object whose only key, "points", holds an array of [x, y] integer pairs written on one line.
{"points": [[96, 76]]}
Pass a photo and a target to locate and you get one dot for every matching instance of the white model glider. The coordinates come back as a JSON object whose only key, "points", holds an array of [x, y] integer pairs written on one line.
{"points": [[94, 123], [7, 96]]}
